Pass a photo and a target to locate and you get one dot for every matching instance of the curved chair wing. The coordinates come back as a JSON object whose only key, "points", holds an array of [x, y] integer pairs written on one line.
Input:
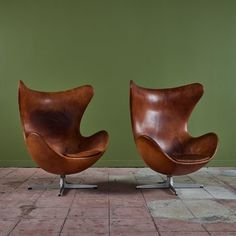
{"points": [[159, 122], [51, 126], [98, 141], [205, 145]]}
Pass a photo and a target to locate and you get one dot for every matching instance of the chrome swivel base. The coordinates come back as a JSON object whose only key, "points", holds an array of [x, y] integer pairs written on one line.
{"points": [[169, 184], [62, 186], [65, 185]]}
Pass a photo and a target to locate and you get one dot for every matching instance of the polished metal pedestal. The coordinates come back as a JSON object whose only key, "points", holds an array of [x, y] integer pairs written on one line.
{"points": [[65, 185], [62, 186], [169, 184]]}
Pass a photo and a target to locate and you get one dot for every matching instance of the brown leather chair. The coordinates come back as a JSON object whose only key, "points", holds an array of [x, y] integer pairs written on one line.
{"points": [[159, 122], [51, 126]]}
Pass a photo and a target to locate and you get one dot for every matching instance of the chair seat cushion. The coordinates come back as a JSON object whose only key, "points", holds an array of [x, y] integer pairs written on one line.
{"points": [[189, 158], [83, 154]]}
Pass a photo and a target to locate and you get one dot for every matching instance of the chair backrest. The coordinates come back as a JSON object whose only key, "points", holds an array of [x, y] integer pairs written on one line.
{"points": [[162, 114], [56, 116]]}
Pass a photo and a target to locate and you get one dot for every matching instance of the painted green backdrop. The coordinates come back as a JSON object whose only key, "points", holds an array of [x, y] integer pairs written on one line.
{"points": [[57, 45]]}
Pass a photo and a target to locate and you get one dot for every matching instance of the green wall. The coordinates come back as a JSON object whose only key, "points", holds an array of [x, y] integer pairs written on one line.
{"points": [[57, 45]]}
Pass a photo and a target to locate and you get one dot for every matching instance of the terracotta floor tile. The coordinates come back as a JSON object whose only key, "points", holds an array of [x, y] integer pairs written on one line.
{"points": [[158, 194], [177, 225], [184, 234], [99, 180], [10, 184], [83, 234], [88, 212], [45, 180], [27, 226], [5, 171], [207, 209], [93, 194], [6, 226], [33, 233], [88, 227], [12, 181], [52, 200], [101, 191], [221, 227], [223, 233], [122, 171], [24, 195], [47, 213], [129, 212], [122, 189], [131, 226], [127, 199], [170, 209], [148, 233], [42, 212], [127, 203], [12, 203], [10, 213], [91, 202], [231, 204], [51, 203], [126, 194], [22, 172]]}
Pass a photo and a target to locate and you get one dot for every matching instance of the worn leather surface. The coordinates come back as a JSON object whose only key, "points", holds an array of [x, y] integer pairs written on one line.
{"points": [[51, 127], [159, 122]]}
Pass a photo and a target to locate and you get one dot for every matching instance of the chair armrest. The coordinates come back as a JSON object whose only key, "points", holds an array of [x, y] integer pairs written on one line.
{"points": [[204, 145], [98, 141]]}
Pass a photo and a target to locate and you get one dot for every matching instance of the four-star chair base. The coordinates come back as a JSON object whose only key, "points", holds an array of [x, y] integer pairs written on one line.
{"points": [[169, 184], [62, 186]]}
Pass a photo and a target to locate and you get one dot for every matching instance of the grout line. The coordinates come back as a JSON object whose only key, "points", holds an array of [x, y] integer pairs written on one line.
{"points": [[182, 200], [62, 226], [9, 232], [40, 195], [224, 182], [26, 179], [205, 191], [5, 175], [205, 229], [9, 193], [140, 190]]}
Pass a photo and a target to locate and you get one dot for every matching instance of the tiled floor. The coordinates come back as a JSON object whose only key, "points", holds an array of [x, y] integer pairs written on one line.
{"points": [[116, 207]]}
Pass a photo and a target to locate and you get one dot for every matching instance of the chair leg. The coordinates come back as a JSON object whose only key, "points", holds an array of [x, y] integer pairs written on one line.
{"points": [[178, 185], [42, 186], [153, 186], [169, 184], [63, 184]]}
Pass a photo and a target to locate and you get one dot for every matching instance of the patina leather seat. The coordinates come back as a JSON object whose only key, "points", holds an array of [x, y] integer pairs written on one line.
{"points": [[159, 122], [51, 127]]}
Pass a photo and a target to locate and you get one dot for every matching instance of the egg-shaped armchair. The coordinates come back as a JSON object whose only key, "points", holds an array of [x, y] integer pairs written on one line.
{"points": [[159, 120], [51, 128]]}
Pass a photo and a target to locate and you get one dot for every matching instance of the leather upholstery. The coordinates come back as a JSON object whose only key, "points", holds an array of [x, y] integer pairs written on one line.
{"points": [[51, 127], [159, 122]]}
